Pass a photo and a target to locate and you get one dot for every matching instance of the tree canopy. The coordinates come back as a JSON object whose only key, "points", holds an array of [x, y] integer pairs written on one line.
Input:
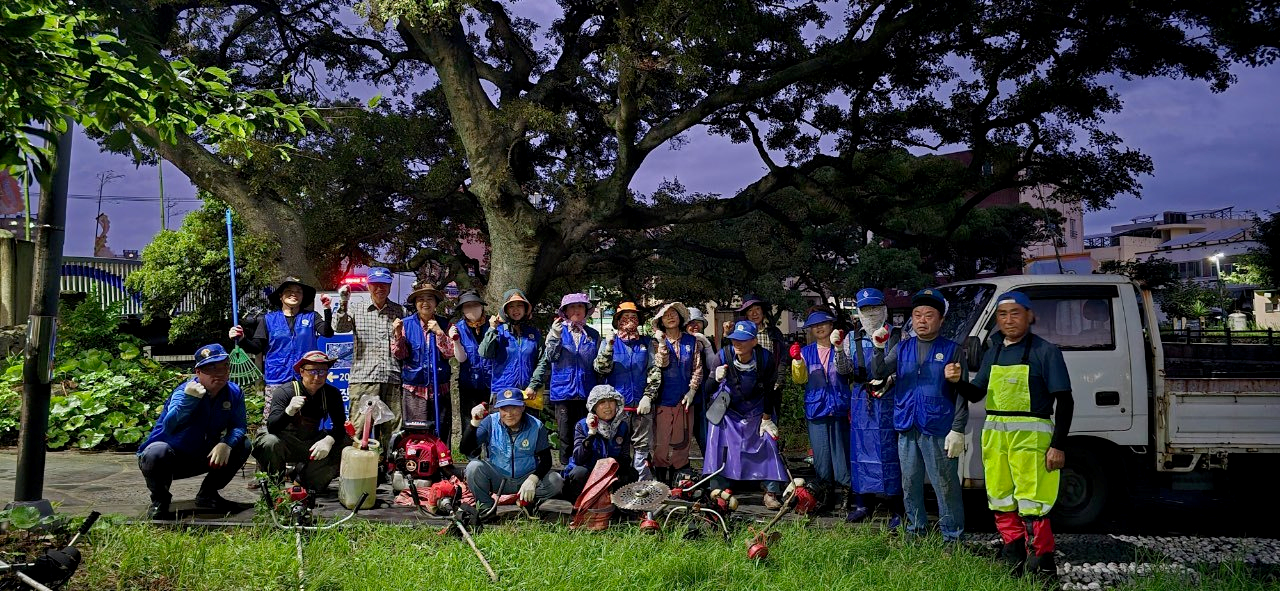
{"points": [[529, 130]]}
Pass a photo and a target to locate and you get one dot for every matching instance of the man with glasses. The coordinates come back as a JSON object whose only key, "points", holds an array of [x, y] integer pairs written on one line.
{"points": [[305, 426], [375, 373], [201, 429]]}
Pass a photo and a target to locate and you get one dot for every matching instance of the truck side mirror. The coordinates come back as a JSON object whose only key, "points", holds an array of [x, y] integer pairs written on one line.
{"points": [[973, 353]]}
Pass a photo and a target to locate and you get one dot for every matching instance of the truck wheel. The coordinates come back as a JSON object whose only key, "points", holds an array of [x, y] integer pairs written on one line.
{"points": [[1083, 490]]}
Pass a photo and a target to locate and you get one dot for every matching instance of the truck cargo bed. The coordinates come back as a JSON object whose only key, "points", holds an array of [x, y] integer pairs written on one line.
{"points": [[1219, 415]]}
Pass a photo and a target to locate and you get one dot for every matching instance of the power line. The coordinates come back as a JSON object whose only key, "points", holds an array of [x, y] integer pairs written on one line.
{"points": [[129, 198]]}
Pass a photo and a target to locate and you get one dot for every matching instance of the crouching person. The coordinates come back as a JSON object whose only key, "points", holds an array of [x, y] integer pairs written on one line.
{"points": [[605, 433], [517, 454], [201, 430], [305, 426]]}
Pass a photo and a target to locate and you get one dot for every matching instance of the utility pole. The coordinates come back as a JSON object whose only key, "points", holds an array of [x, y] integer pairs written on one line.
{"points": [[164, 215], [41, 330]]}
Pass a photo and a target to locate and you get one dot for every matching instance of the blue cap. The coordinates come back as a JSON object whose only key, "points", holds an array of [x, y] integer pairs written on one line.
{"points": [[210, 354], [1015, 297], [869, 296], [378, 275], [743, 330], [509, 397], [932, 298], [818, 317]]}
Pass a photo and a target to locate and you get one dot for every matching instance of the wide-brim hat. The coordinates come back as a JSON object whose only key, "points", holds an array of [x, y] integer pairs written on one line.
{"points": [[514, 295], [313, 357], [470, 297], [695, 315], [308, 293], [421, 289], [752, 300], [624, 307], [681, 311], [570, 299]]}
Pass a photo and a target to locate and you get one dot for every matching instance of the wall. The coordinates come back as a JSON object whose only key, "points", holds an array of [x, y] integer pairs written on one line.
{"points": [[17, 259]]}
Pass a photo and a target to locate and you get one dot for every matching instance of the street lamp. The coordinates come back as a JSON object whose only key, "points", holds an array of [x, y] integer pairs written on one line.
{"points": [[1217, 264]]}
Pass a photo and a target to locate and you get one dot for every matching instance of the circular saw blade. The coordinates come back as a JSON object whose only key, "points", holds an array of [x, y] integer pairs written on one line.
{"points": [[644, 495]]}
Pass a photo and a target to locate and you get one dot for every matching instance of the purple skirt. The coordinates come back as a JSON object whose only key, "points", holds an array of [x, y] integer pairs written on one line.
{"points": [[736, 443]]}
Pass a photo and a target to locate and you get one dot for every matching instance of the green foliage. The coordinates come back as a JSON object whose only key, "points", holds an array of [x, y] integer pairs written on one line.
{"points": [[106, 393], [193, 261], [91, 64], [1261, 265], [1188, 299]]}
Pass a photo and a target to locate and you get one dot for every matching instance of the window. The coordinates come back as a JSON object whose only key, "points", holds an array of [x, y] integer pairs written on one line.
{"points": [[1189, 270], [1073, 228], [1073, 318]]}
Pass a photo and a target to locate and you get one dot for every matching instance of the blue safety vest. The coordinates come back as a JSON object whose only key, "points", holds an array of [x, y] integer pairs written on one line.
{"points": [[923, 398], [285, 347], [679, 370], [474, 372], [827, 392], [514, 455], [517, 358], [630, 368], [573, 374], [415, 370]]}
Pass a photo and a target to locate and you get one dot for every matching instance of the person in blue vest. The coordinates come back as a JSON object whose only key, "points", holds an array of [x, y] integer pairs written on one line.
{"points": [[670, 389], [201, 430], [473, 368], [744, 439], [929, 414], [510, 452], [604, 433], [424, 351], [826, 402], [875, 472], [569, 355], [696, 326], [513, 346], [286, 333], [623, 362]]}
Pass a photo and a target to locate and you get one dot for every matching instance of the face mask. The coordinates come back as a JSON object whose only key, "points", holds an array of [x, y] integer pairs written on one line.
{"points": [[873, 317]]}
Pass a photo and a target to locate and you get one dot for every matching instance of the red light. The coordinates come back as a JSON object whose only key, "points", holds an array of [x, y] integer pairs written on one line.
{"points": [[353, 280]]}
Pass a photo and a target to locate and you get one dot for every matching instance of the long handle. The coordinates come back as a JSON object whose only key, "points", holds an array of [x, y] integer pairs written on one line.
{"points": [[231, 255], [470, 542], [435, 382]]}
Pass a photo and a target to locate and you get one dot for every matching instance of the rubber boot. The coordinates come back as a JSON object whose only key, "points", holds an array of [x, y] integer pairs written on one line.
{"points": [[1014, 555], [1040, 546]]}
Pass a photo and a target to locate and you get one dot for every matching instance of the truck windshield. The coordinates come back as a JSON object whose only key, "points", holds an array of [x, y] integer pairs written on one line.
{"points": [[965, 304]]}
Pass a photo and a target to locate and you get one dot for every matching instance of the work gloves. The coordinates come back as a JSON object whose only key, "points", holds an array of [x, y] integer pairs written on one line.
{"points": [[687, 401], [528, 488], [795, 351], [194, 389], [837, 337], [880, 337], [478, 413], [593, 425], [645, 406], [720, 373], [320, 449], [295, 405], [954, 444], [767, 427], [553, 335], [220, 455]]}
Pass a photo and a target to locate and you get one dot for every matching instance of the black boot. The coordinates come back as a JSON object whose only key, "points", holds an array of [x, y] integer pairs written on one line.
{"points": [[1043, 565], [1015, 556]]}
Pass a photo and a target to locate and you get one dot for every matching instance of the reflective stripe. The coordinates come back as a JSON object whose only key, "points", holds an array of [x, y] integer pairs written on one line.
{"points": [[1036, 508], [1037, 426], [1001, 504]]}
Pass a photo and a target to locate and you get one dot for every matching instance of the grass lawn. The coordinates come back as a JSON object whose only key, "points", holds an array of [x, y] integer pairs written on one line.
{"points": [[537, 556]]}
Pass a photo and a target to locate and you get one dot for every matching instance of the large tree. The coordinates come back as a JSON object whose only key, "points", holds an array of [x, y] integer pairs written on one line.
{"points": [[548, 128]]}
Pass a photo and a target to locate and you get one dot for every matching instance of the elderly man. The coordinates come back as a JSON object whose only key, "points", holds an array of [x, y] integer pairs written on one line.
{"points": [[305, 425], [928, 414], [374, 370], [1025, 382], [517, 454], [201, 429]]}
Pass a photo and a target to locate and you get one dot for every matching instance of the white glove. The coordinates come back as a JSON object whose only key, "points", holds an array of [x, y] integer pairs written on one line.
{"points": [[220, 455], [477, 414], [593, 424], [295, 405], [645, 406], [344, 293], [720, 373], [235, 332], [687, 401], [528, 488], [767, 427], [954, 444], [320, 449], [880, 337], [837, 336], [553, 335], [194, 389]]}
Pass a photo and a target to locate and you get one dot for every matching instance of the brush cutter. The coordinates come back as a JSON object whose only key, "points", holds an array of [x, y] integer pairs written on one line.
{"points": [[301, 516]]}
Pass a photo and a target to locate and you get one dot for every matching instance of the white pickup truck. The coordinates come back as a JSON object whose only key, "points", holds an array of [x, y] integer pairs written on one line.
{"points": [[1137, 425]]}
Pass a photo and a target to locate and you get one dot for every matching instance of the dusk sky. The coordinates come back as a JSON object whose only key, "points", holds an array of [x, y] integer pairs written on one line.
{"points": [[1210, 150]]}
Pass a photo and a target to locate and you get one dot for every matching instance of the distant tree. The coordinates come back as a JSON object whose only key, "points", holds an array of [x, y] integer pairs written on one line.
{"points": [[1261, 265], [1152, 273]]}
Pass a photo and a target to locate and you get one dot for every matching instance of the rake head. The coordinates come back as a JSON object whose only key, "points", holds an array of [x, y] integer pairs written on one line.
{"points": [[244, 370]]}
